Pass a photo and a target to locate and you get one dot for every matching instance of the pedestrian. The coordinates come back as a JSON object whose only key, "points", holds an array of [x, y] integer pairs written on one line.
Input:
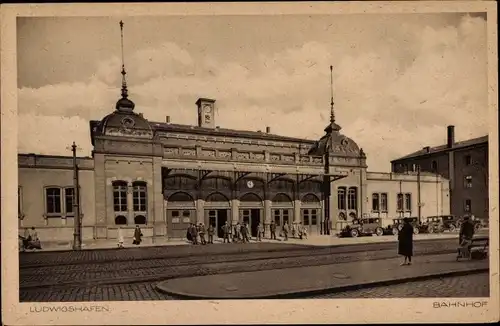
{"points": [[194, 233], [294, 230], [465, 237], [286, 229], [120, 237], [272, 229], [202, 234], [226, 231], [303, 232], [211, 231], [405, 241], [137, 235], [26, 239], [189, 233], [237, 232], [244, 232], [260, 232]]}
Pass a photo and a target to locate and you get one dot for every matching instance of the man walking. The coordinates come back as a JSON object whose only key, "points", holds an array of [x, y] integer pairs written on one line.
{"points": [[226, 230], [211, 231], [465, 237], [272, 228]]}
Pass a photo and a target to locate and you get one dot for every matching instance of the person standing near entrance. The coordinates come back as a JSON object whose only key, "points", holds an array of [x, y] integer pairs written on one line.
{"points": [[211, 231], [260, 232], [286, 229], [405, 242], [194, 233], [237, 232], [272, 228], [226, 231], [201, 232], [244, 233]]}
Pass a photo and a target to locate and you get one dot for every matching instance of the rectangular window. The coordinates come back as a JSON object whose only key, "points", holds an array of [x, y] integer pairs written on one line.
{"points": [[341, 198], [407, 202], [186, 214], [277, 216], [305, 213], [120, 197], [352, 198], [53, 201], [175, 213], [375, 203], [314, 217], [468, 181], [400, 202], [140, 198], [383, 202], [69, 200], [468, 160], [468, 205], [285, 216]]}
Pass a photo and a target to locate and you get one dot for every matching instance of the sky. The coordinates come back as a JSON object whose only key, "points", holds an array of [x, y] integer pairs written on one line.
{"points": [[399, 80]]}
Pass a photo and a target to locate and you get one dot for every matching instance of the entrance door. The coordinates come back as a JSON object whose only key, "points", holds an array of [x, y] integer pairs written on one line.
{"points": [[178, 221], [281, 215], [252, 218], [217, 218], [310, 219]]}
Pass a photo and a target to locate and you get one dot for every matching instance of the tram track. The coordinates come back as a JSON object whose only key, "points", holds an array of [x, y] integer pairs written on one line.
{"points": [[173, 257], [127, 275]]}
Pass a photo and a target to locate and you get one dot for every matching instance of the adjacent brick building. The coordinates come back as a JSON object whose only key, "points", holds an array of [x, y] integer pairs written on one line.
{"points": [[464, 163]]}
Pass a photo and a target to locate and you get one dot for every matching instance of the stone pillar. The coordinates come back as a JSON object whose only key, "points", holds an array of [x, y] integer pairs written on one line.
{"points": [[267, 216], [130, 204], [103, 198], [235, 211], [200, 211], [296, 211]]}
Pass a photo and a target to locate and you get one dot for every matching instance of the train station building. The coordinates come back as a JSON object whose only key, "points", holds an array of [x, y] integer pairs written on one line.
{"points": [[163, 176]]}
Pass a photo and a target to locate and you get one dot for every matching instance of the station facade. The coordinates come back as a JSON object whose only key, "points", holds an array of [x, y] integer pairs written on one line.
{"points": [[163, 176]]}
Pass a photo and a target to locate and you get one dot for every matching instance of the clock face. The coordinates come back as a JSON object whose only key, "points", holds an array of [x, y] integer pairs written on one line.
{"points": [[207, 108], [128, 122], [250, 184]]}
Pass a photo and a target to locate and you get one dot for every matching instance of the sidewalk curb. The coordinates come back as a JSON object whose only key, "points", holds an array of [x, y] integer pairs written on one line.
{"points": [[308, 293], [288, 247]]}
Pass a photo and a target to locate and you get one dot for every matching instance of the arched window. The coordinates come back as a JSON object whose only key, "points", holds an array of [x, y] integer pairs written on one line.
{"points": [[120, 196], [352, 216], [281, 198], [310, 198], [250, 197], [120, 220], [341, 198], [352, 200], [140, 219], [140, 192], [180, 197], [216, 197], [342, 216]]}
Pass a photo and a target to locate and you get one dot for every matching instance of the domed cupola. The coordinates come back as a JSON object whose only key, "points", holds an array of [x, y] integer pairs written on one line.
{"points": [[124, 121]]}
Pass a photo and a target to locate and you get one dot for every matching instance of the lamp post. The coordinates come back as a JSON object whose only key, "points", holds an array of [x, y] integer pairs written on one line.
{"points": [[77, 235], [419, 202]]}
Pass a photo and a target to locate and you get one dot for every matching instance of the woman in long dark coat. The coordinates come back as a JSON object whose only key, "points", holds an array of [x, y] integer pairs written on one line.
{"points": [[137, 235], [405, 239]]}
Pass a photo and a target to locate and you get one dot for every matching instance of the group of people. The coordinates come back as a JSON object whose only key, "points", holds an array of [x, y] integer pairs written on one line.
{"points": [[240, 232], [405, 239], [136, 240]]}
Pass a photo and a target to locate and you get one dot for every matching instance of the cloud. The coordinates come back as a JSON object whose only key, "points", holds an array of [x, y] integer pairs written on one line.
{"points": [[392, 97]]}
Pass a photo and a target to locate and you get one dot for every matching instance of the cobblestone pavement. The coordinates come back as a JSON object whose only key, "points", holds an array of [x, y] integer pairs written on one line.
{"points": [[159, 269], [475, 285]]}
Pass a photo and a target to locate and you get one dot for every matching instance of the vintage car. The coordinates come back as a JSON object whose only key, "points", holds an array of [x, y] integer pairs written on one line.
{"points": [[362, 227], [449, 222], [397, 225], [434, 224]]}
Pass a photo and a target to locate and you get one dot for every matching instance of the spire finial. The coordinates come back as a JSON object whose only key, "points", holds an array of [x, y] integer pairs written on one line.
{"points": [[332, 113], [124, 73], [124, 104]]}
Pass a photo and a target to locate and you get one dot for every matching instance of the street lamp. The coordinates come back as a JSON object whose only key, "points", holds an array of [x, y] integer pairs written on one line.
{"points": [[77, 234]]}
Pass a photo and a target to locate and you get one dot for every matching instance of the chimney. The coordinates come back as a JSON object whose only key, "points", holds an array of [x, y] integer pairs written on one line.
{"points": [[427, 149], [268, 130], [167, 119], [451, 136]]}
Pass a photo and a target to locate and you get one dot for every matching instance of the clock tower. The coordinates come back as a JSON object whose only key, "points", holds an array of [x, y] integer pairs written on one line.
{"points": [[206, 114]]}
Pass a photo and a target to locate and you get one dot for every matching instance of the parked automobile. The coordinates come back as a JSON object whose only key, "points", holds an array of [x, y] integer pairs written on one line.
{"points": [[434, 224], [363, 227], [418, 227], [450, 222]]}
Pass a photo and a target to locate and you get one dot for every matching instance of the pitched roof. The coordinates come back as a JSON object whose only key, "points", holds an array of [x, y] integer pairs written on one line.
{"points": [[227, 132], [444, 148]]}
